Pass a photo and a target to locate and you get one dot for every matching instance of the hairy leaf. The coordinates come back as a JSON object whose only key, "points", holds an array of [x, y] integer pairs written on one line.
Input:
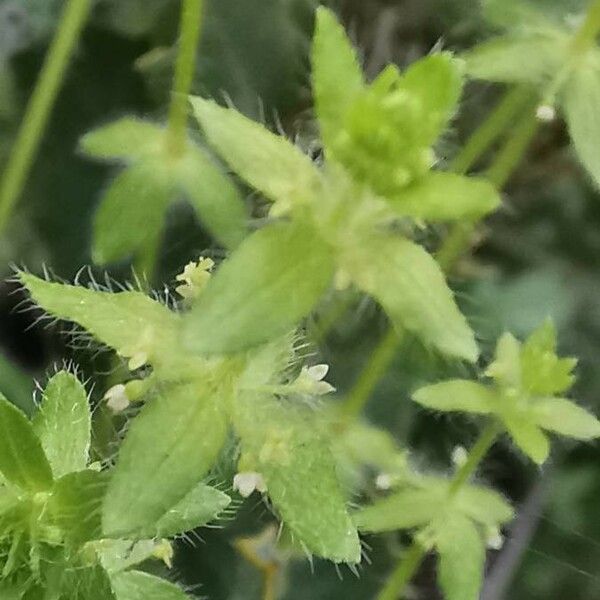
{"points": [[136, 585], [410, 286], [457, 395], [129, 322], [63, 424], [405, 509], [461, 557], [198, 507], [22, 459], [337, 75], [446, 197], [168, 449], [269, 284], [268, 162], [76, 503], [284, 443], [483, 505], [214, 196], [131, 213], [528, 437], [566, 418], [125, 139]]}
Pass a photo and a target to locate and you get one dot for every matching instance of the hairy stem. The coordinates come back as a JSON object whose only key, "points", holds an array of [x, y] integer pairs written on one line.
{"points": [[190, 26], [40, 105], [410, 562]]}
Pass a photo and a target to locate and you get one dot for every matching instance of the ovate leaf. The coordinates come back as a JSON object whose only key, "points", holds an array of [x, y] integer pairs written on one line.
{"points": [[410, 286], [461, 557], [528, 437], [580, 103], [271, 282], [483, 505], [447, 197], [131, 213], [76, 503], [168, 449], [435, 81], [198, 507], [268, 162], [337, 76], [286, 445], [530, 59], [214, 196], [459, 395], [135, 585], [566, 418], [405, 509], [129, 322], [22, 459], [125, 139], [63, 424]]}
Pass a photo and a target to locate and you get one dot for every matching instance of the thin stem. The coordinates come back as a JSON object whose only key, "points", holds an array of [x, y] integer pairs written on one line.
{"points": [[484, 442], [374, 370], [404, 572], [40, 105], [190, 26], [492, 128], [409, 564]]}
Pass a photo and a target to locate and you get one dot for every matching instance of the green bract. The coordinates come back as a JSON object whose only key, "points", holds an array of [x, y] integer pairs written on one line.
{"points": [[377, 142], [190, 403], [526, 381]]}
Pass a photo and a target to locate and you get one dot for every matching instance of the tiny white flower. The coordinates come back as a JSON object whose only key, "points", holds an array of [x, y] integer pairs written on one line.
{"points": [[317, 372], [116, 398], [383, 481], [545, 113], [311, 381], [459, 456], [194, 277], [246, 483]]}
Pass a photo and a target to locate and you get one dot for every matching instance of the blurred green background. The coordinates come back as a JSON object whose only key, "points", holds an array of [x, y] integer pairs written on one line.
{"points": [[540, 257]]}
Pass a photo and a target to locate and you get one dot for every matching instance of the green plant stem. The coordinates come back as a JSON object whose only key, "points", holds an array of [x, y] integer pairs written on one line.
{"points": [[190, 26], [376, 367], [40, 105], [404, 572], [410, 562], [588, 32], [492, 128]]}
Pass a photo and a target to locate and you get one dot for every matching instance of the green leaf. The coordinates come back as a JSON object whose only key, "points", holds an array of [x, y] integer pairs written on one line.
{"points": [[461, 557], [168, 449], [63, 424], [129, 322], [125, 139], [198, 507], [22, 459], [458, 395], [446, 197], [75, 505], [87, 583], [483, 505], [337, 76], [533, 59], [435, 81], [131, 213], [271, 282], [543, 372], [506, 368], [213, 195], [135, 585], [528, 436], [410, 286], [580, 103], [268, 162], [285, 444], [406, 509], [566, 418]]}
